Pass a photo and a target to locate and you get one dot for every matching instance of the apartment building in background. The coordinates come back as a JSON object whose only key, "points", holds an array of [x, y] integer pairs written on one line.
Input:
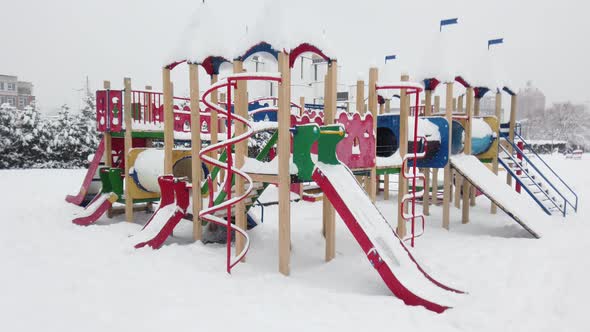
{"points": [[16, 93]]}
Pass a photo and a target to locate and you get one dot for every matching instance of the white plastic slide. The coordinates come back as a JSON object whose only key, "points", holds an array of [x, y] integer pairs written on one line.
{"points": [[386, 252], [523, 210]]}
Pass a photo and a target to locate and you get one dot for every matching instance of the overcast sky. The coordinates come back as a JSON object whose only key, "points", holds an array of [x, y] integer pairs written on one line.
{"points": [[56, 44]]}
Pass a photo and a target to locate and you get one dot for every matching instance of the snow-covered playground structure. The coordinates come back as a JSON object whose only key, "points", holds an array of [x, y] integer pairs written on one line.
{"points": [[205, 172]]}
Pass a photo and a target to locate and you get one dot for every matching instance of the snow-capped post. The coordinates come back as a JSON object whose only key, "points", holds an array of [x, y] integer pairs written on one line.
{"points": [[512, 128], [373, 77], [468, 133], [168, 120], [447, 170], [284, 142], [426, 171], [329, 214], [196, 169], [214, 126], [434, 191], [404, 113], [241, 151], [495, 167], [128, 146]]}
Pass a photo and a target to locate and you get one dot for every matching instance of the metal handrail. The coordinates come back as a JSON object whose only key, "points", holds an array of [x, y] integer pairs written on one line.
{"points": [[575, 207], [518, 179]]}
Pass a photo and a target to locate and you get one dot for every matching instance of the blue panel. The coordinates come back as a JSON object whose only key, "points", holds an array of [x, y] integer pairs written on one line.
{"points": [[262, 116], [438, 154]]}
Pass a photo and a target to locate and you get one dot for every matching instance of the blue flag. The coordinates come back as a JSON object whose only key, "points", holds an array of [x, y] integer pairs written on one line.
{"points": [[448, 22], [390, 57], [495, 42]]}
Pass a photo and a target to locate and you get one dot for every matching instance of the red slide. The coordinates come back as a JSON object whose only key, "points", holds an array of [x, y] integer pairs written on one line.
{"points": [[387, 253], [95, 209], [173, 204], [79, 198]]}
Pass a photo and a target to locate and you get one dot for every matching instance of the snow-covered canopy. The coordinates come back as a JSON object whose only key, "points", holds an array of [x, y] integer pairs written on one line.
{"points": [[359, 35]]}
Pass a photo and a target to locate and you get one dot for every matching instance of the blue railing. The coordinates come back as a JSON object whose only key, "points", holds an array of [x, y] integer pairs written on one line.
{"points": [[573, 205]]}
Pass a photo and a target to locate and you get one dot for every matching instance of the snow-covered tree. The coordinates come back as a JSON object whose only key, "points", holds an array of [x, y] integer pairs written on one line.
{"points": [[73, 140]]}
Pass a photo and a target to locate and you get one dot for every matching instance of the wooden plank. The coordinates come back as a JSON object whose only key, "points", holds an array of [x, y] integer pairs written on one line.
{"points": [[128, 146], [468, 149], [302, 103], [283, 147], [447, 171], [403, 150], [373, 108], [493, 207], [196, 170], [329, 214], [241, 151]]}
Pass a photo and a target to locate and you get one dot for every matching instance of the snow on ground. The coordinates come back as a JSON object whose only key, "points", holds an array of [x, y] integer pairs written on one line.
{"points": [[57, 276]]}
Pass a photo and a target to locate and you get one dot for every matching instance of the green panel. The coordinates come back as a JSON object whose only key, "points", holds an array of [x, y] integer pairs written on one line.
{"points": [[116, 181], [305, 136], [105, 180], [141, 134], [383, 171], [330, 136]]}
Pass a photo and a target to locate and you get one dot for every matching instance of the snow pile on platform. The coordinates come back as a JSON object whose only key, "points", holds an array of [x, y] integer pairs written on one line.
{"points": [[480, 128]]}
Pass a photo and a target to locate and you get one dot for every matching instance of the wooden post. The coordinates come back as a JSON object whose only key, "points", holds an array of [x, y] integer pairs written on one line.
{"points": [[214, 128], [168, 121], [403, 150], [373, 77], [223, 103], [329, 214], [284, 152], [447, 172], [108, 145], [458, 185], [494, 207], [196, 170], [460, 104], [360, 97], [476, 107], [241, 152], [426, 171], [128, 146], [387, 106], [468, 150], [511, 132], [108, 138], [434, 191], [302, 103]]}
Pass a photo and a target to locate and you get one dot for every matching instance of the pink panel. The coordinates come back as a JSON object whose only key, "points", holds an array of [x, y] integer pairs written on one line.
{"points": [[357, 149], [101, 110]]}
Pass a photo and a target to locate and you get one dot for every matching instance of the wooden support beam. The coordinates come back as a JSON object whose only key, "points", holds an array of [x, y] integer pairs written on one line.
{"points": [[284, 143], [495, 166], [360, 97], [196, 170], [467, 150], [108, 146], [434, 191], [329, 214], [128, 146], [241, 152], [458, 185], [447, 171], [387, 106], [302, 103], [460, 104], [426, 171], [403, 150], [214, 128], [373, 108], [476, 107], [511, 132]]}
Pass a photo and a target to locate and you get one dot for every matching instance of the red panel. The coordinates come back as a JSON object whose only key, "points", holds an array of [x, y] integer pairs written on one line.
{"points": [[357, 149], [101, 110], [115, 103]]}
